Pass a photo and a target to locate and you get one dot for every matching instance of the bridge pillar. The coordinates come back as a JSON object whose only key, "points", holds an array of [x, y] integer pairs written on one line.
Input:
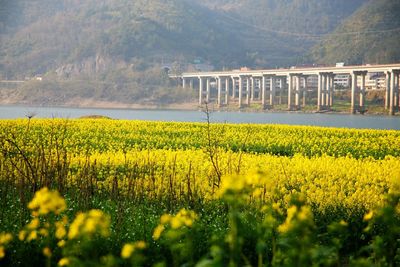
{"points": [[227, 91], [219, 88], [248, 85], [252, 88], [323, 91], [290, 89], [332, 95], [282, 89], [297, 92], [183, 83], [200, 91], [272, 91], [394, 92], [263, 91], [328, 90], [362, 92], [397, 92], [319, 93], [233, 87], [259, 88], [208, 91], [354, 88], [304, 91], [240, 92], [191, 83], [387, 91], [391, 97]]}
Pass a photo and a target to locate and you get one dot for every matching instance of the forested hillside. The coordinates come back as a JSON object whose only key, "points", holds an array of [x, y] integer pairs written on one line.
{"points": [[109, 29], [370, 35], [112, 47]]}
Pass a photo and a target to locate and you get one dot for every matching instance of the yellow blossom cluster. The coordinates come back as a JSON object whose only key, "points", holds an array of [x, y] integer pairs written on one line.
{"points": [[295, 216], [184, 218], [63, 262], [46, 201], [89, 224], [119, 135], [5, 238], [130, 248]]}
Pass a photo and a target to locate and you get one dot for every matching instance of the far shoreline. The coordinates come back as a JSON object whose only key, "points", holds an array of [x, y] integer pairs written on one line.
{"points": [[188, 106]]}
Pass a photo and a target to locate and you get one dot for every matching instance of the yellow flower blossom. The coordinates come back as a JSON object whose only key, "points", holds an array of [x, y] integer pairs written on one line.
{"points": [[63, 262], [46, 201], [368, 216], [32, 236], [2, 252], [44, 232], [176, 222], [60, 230], [22, 235], [90, 223], [47, 252], [165, 218], [158, 231], [129, 249], [5, 238], [34, 224], [61, 243]]}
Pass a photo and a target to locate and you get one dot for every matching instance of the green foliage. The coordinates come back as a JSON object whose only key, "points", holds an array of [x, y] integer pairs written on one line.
{"points": [[45, 35], [375, 43]]}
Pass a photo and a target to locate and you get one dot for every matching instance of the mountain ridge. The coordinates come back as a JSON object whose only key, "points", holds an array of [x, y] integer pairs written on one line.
{"points": [[113, 48], [370, 36]]}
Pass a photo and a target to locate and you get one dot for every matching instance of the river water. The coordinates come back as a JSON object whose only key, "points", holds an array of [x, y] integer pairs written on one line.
{"points": [[316, 119]]}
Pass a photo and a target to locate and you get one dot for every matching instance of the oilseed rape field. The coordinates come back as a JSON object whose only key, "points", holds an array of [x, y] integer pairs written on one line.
{"points": [[101, 192]]}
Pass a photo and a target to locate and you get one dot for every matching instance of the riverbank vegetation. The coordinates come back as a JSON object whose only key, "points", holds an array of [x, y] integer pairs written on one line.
{"points": [[91, 192]]}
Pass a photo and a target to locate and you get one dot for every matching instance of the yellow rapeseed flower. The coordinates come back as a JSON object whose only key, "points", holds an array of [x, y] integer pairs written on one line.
{"points": [[46, 201], [61, 243], [165, 218], [34, 224], [176, 222], [63, 262], [5, 238], [2, 252], [44, 232], [47, 252], [368, 216], [158, 231], [90, 223], [140, 245], [287, 225], [60, 230], [22, 235], [127, 251], [32, 236]]}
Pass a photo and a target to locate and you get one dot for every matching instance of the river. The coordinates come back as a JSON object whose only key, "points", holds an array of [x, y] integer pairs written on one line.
{"points": [[315, 119]]}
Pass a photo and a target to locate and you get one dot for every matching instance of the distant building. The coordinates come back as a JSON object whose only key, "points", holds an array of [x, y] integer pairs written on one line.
{"points": [[374, 81], [342, 80]]}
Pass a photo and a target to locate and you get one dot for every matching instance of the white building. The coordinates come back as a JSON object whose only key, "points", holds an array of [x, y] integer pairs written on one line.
{"points": [[374, 81], [342, 80]]}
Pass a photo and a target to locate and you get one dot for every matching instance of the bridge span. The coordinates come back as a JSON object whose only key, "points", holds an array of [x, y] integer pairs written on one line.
{"points": [[268, 87]]}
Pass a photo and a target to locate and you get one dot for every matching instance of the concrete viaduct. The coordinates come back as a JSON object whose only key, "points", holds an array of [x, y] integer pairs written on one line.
{"points": [[267, 86]]}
